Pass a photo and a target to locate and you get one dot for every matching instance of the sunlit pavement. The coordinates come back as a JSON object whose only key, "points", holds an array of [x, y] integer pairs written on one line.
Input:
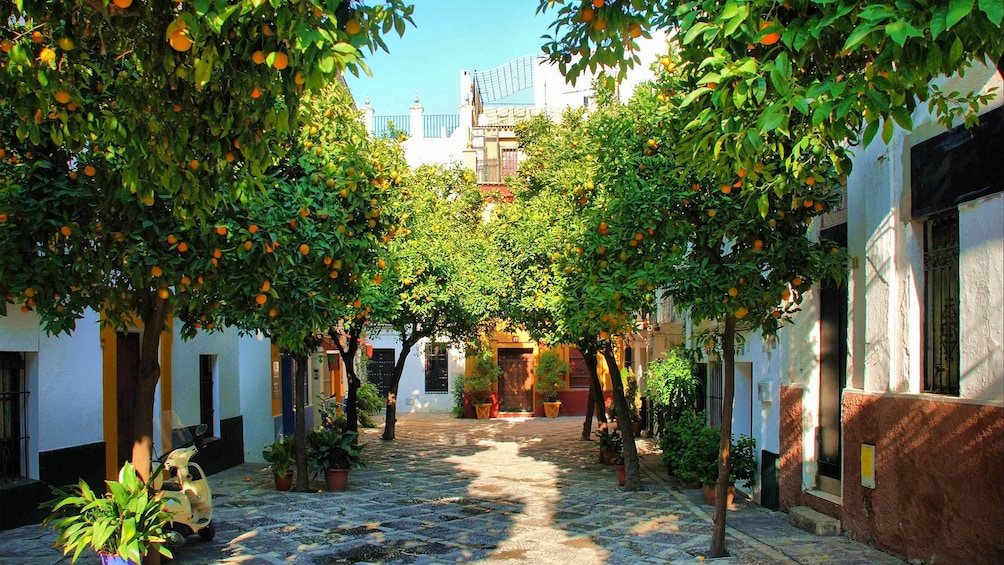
{"points": [[462, 491]]}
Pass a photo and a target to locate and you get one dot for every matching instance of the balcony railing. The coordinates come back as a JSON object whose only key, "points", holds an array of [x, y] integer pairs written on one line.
{"points": [[433, 125]]}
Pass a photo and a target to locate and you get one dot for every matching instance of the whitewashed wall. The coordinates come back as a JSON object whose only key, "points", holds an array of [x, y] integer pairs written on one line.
{"points": [[886, 288], [411, 392], [254, 367], [185, 378], [64, 380]]}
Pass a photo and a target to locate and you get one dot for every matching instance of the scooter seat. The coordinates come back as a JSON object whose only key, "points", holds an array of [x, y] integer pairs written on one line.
{"points": [[171, 486]]}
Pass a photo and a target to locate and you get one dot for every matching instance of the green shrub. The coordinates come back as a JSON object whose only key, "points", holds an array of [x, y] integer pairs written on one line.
{"points": [[483, 376], [550, 372], [458, 396], [672, 386], [369, 402]]}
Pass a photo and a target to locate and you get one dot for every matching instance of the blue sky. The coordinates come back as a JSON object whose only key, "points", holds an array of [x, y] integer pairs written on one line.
{"points": [[449, 36]]}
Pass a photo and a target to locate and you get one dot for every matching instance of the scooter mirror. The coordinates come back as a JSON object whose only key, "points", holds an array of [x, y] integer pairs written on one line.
{"points": [[200, 430]]}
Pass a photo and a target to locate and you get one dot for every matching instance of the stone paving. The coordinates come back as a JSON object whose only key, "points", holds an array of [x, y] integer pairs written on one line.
{"points": [[473, 491]]}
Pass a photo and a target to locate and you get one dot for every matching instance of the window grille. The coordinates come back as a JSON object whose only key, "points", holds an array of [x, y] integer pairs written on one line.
{"points": [[716, 389], [578, 372], [437, 372], [13, 417], [941, 303]]}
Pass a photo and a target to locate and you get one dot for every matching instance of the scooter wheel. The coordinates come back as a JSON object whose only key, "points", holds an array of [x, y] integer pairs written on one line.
{"points": [[208, 533]]}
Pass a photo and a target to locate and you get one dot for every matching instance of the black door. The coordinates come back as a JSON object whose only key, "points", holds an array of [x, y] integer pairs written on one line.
{"points": [[832, 363]]}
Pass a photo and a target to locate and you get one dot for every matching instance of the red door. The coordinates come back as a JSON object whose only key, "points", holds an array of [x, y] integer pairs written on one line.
{"points": [[516, 384]]}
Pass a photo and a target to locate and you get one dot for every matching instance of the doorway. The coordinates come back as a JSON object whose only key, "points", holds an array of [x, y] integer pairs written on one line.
{"points": [[127, 378], [832, 372], [516, 384]]}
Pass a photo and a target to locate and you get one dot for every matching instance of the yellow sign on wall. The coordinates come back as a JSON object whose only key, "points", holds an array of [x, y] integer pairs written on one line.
{"points": [[868, 466]]}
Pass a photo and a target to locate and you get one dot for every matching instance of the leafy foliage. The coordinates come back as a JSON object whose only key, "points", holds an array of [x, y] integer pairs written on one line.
{"points": [[370, 402], [672, 385], [333, 447], [483, 376], [279, 455], [126, 521], [550, 375]]}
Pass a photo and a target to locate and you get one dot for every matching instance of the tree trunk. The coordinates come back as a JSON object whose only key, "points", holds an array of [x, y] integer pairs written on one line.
{"points": [[300, 432], [631, 466], [146, 391], [596, 390], [348, 353], [717, 548], [390, 422], [587, 424]]}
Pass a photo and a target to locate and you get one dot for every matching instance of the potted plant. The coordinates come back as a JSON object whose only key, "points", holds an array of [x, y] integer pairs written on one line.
{"points": [[611, 444], [122, 526], [483, 377], [334, 451], [279, 456], [696, 458], [550, 372], [619, 466]]}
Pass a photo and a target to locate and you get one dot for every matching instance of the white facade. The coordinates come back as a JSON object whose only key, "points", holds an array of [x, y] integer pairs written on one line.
{"points": [[412, 393], [887, 282]]}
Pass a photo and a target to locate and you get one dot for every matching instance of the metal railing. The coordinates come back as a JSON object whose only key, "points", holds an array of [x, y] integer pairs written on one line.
{"points": [[384, 125], [440, 125]]}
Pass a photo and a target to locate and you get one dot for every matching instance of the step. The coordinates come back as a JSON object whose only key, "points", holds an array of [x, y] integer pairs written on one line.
{"points": [[807, 519]]}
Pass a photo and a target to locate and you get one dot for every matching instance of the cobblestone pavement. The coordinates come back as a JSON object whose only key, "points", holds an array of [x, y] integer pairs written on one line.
{"points": [[468, 491]]}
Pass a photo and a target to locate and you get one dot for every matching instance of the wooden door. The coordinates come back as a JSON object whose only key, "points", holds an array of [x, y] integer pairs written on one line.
{"points": [[516, 384], [127, 377]]}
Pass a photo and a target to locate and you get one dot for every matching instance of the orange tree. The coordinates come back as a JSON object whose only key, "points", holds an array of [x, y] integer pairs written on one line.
{"points": [[131, 133], [590, 243], [761, 102], [437, 287]]}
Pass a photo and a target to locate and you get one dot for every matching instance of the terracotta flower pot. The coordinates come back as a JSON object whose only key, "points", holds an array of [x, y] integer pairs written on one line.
{"points": [[551, 409], [709, 493], [608, 455], [336, 480], [283, 483], [621, 473], [636, 428], [483, 411]]}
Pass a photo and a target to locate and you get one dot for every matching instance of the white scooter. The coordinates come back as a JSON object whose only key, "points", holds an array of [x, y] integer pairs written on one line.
{"points": [[187, 492]]}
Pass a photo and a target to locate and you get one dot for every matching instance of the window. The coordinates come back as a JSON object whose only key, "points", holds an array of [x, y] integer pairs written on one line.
{"points": [[716, 391], [13, 417], [437, 369], [207, 387], [380, 370], [941, 303], [578, 372]]}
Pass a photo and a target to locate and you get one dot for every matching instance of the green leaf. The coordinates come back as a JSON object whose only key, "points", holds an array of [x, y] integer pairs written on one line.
{"points": [[938, 21], [955, 53], [763, 205], [902, 117], [870, 130], [957, 10], [858, 36], [934, 59], [887, 130], [994, 9]]}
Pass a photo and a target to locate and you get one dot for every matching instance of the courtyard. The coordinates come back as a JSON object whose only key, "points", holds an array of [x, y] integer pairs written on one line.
{"points": [[472, 491]]}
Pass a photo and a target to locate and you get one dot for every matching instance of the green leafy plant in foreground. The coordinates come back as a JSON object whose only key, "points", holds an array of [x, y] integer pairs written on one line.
{"points": [[126, 521]]}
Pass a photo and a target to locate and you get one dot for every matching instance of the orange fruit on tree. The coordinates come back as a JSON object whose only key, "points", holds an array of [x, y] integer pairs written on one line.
{"points": [[217, 253], [357, 303], [741, 312], [260, 299], [810, 181], [769, 38], [66, 231], [599, 24], [758, 244], [62, 96], [177, 37], [248, 245], [634, 31], [6, 45], [229, 156], [711, 213], [587, 15], [265, 286], [164, 294], [273, 313], [90, 171], [171, 239], [604, 229], [304, 249], [258, 57], [281, 60], [37, 36], [256, 93], [733, 291], [221, 230], [253, 228], [182, 247], [122, 3], [726, 189], [785, 294], [353, 27], [156, 271], [796, 282], [193, 164], [598, 3], [47, 55]]}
